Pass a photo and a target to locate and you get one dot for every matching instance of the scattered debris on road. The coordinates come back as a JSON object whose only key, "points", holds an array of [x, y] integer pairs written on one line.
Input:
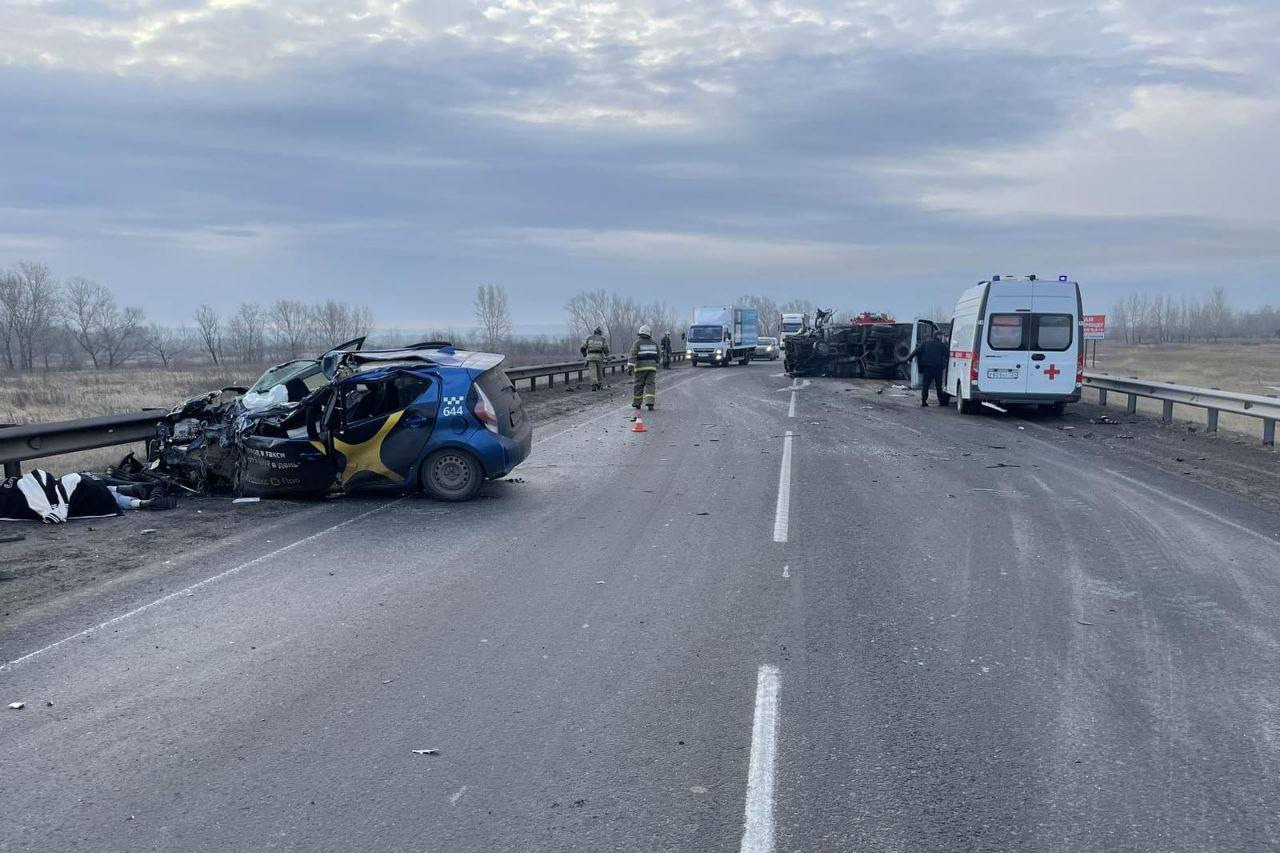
{"points": [[246, 500], [426, 752], [17, 706]]}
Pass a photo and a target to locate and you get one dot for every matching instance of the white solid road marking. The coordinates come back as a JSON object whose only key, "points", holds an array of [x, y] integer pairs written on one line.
{"points": [[190, 589], [791, 411], [1207, 513], [757, 824], [782, 512]]}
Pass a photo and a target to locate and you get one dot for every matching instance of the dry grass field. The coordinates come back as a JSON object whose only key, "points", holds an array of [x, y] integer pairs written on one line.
{"points": [[1251, 367], [44, 397]]}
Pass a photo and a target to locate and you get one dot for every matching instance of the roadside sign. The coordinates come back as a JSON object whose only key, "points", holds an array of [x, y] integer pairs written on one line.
{"points": [[1095, 327]]}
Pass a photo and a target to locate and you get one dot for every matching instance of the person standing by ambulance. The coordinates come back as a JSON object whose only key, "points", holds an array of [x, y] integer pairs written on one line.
{"points": [[932, 357], [642, 364], [595, 350]]}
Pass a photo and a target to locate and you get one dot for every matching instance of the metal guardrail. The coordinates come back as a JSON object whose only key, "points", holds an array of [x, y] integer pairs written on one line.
{"points": [[1214, 401], [35, 441], [567, 369]]}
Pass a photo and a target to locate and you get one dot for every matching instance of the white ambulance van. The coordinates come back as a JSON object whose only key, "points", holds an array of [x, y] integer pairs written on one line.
{"points": [[1016, 339]]}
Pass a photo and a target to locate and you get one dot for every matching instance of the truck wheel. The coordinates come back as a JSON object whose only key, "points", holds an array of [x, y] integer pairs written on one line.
{"points": [[745, 360], [451, 474]]}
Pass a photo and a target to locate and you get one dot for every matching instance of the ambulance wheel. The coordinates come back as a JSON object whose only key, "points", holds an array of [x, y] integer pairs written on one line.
{"points": [[451, 474], [1057, 410], [963, 406]]}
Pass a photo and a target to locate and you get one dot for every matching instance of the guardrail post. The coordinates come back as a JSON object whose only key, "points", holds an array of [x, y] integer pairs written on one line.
{"points": [[1166, 412], [1269, 432], [533, 383], [1102, 397], [13, 469], [551, 380], [1132, 408], [1211, 424]]}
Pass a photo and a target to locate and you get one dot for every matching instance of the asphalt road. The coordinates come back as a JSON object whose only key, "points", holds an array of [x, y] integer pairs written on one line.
{"points": [[947, 634]]}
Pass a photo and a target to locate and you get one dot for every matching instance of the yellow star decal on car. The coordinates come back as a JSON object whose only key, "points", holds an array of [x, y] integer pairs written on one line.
{"points": [[367, 455]]}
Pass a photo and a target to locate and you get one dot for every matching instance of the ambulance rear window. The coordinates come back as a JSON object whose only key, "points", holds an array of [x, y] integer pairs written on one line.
{"points": [[1006, 331], [1053, 332]]}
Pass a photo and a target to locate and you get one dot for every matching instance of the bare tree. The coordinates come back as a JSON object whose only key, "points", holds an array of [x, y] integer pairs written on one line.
{"points": [[770, 314], [85, 305], [625, 317], [493, 314], [1137, 309], [124, 335], [209, 329], [588, 310], [9, 299], [166, 343], [1120, 318], [1217, 313], [29, 296], [106, 333], [246, 332], [335, 322], [291, 326]]}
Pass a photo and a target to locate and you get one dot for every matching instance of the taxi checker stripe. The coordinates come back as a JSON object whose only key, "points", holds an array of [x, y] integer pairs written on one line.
{"points": [[454, 401]]}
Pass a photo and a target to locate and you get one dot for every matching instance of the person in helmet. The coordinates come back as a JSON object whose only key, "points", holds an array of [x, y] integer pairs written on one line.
{"points": [[642, 364], [595, 350]]}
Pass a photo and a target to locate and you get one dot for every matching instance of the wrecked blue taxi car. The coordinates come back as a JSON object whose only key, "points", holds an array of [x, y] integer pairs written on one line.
{"points": [[427, 417]]}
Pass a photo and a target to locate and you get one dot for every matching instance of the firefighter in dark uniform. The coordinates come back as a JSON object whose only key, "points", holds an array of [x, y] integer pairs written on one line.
{"points": [[666, 350], [642, 363], [931, 356], [595, 350]]}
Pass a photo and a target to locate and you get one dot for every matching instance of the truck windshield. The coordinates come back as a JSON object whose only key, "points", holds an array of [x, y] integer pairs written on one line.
{"points": [[705, 334], [791, 327]]}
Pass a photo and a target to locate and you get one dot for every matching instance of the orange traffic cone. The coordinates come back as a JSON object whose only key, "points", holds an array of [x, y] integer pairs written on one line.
{"points": [[639, 426]]}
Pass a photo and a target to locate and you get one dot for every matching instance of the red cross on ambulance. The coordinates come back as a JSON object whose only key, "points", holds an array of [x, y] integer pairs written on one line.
{"points": [[1052, 371]]}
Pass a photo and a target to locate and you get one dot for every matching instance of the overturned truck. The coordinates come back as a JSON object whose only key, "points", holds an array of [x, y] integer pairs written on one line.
{"points": [[873, 346]]}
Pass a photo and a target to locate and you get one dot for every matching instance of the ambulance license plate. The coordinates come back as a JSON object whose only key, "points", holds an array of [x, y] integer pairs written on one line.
{"points": [[1002, 373]]}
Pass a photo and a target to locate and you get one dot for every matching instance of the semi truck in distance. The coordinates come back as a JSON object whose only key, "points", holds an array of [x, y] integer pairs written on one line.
{"points": [[792, 324], [720, 336]]}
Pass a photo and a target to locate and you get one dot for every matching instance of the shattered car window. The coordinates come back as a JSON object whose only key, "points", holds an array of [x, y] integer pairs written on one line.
{"points": [[374, 398], [285, 383]]}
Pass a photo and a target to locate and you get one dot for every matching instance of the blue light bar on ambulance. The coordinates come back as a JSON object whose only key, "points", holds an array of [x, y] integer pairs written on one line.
{"points": [[1062, 278], [995, 278]]}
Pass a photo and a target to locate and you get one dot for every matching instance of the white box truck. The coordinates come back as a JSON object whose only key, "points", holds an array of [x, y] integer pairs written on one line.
{"points": [[721, 336], [1017, 339]]}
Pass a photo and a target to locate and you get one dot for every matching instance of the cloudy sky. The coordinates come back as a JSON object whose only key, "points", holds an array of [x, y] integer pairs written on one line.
{"points": [[861, 153]]}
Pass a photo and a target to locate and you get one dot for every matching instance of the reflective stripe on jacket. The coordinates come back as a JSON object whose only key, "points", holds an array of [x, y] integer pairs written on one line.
{"points": [[597, 345], [644, 354]]}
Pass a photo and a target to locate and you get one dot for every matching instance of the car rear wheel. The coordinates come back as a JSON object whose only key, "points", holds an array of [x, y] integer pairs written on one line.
{"points": [[451, 474]]}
